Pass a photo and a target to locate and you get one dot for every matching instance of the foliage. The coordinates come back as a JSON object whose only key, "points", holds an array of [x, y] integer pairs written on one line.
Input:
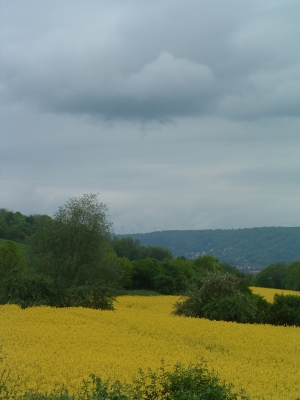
{"points": [[292, 276], [16, 226], [132, 249], [127, 247], [117, 271], [272, 276], [262, 314], [69, 262], [13, 226], [207, 263], [164, 283], [36, 290], [170, 277], [219, 297], [28, 291], [158, 253], [11, 259], [71, 247], [249, 247], [192, 382], [279, 276], [285, 310], [144, 273], [90, 296]]}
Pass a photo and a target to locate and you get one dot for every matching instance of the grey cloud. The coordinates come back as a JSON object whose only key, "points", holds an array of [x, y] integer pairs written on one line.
{"points": [[167, 86], [78, 76], [270, 94], [155, 61]]}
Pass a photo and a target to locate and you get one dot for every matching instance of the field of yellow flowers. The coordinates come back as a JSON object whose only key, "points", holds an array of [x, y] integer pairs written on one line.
{"points": [[49, 346], [269, 293]]}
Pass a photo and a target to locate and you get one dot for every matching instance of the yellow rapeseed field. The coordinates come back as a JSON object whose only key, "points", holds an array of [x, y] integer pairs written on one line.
{"points": [[48, 346], [269, 293]]}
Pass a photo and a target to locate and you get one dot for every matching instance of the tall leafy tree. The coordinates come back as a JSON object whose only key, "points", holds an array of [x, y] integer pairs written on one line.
{"points": [[71, 247]]}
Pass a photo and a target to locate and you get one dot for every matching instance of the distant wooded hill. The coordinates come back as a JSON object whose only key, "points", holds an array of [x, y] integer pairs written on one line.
{"points": [[249, 249]]}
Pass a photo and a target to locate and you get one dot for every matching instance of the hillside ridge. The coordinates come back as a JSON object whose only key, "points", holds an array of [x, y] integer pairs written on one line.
{"points": [[249, 249]]}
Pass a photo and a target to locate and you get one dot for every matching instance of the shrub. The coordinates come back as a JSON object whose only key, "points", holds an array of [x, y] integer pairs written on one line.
{"points": [[37, 290], [285, 310], [237, 307], [90, 296], [218, 297], [28, 291], [183, 383], [262, 309]]}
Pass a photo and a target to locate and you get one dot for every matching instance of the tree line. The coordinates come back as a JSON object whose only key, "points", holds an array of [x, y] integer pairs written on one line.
{"points": [[279, 276], [74, 259]]}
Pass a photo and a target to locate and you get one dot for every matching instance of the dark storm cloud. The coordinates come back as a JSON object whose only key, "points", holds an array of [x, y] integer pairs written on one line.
{"points": [[157, 60]]}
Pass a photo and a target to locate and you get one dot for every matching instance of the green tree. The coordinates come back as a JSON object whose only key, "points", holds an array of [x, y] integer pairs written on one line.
{"points": [[272, 276], [292, 276], [159, 253], [71, 247], [127, 247], [207, 263], [144, 273], [164, 284], [11, 259]]}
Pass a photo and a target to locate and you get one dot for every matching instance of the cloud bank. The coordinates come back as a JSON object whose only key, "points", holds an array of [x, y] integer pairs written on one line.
{"points": [[181, 115]]}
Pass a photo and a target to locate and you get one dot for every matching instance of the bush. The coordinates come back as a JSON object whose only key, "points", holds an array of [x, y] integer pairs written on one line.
{"points": [[218, 297], [37, 290], [28, 291], [237, 307], [90, 296], [262, 309], [183, 383], [285, 310]]}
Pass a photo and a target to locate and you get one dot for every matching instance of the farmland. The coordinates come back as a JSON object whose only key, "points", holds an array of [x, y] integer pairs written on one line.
{"points": [[49, 346], [268, 293]]}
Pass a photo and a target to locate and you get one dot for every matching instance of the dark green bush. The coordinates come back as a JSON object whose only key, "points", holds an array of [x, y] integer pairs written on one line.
{"points": [[285, 310], [28, 291], [217, 297], [262, 309], [37, 290], [238, 308], [90, 296]]}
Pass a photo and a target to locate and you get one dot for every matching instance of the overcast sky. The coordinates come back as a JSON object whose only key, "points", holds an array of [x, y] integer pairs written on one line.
{"points": [[180, 114]]}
